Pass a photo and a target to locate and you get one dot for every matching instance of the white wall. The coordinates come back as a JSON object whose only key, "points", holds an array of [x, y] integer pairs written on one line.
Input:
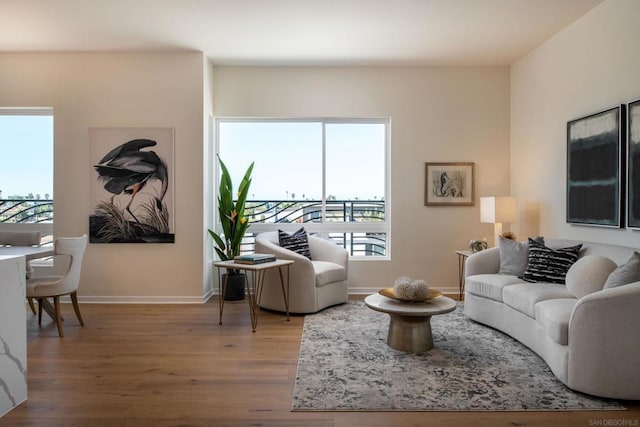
{"points": [[438, 114], [121, 89], [590, 66]]}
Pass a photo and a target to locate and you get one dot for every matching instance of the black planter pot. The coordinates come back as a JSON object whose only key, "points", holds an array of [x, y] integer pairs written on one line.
{"points": [[235, 287]]}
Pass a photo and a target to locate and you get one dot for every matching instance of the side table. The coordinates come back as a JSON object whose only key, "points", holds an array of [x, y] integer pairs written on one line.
{"points": [[462, 258], [254, 293]]}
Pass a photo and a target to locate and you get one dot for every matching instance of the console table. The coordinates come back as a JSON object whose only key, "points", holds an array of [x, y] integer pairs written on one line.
{"points": [[254, 292]]}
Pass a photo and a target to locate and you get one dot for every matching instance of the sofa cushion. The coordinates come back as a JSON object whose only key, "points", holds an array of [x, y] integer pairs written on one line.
{"points": [[524, 296], [328, 272], [588, 275], [628, 272], [514, 255], [489, 285], [549, 265], [297, 242], [553, 315]]}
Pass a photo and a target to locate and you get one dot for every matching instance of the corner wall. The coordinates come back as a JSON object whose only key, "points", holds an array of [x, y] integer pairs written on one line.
{"points": [[590, 66], [120, 90], [438, 114]]}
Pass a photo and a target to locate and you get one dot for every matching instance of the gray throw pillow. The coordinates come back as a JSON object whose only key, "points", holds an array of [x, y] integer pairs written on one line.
{"points": [[628, 272], [514, 256]]}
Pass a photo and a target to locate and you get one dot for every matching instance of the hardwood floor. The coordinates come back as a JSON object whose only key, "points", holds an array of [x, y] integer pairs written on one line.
{"points": [[173, 365]]}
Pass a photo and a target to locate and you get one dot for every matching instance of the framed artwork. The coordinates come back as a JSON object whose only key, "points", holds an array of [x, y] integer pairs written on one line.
{"points": [[131, 181], [595, 169], [633, 166], [449, 184]]}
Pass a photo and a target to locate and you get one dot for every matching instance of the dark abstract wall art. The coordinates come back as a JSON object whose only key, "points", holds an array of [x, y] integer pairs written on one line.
{"points": [[595, 169], [132, 185], [633, 168]]}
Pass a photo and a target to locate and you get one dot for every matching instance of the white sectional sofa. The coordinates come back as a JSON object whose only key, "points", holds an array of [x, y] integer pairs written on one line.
{"points": [[589, 336]]}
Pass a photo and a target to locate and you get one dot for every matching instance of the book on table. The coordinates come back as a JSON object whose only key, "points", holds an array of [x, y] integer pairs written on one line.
{"points": [[254, 258]]}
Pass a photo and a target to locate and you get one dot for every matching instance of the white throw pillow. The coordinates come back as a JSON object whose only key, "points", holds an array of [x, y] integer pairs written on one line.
{"points": [[588, 274]]}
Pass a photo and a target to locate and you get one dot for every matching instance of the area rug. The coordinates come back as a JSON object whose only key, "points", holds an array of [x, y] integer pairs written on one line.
{"points": [[345, 364]]}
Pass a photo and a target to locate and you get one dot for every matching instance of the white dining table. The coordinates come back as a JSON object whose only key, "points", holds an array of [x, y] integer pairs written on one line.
{"points": [[13, 317], [29, 252]]}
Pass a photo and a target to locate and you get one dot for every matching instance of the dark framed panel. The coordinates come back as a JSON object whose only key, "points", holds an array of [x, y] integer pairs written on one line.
{"points": [[595, 169], [449, 184], [633, 166]]}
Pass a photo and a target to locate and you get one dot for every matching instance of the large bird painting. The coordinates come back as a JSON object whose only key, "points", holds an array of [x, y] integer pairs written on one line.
{"points": [[132, 185]]}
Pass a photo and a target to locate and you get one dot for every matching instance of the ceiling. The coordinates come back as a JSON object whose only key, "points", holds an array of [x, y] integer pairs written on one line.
{"points": [[294, 32]]}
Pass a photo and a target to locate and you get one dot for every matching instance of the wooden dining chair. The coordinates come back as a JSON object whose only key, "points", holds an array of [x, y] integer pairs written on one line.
{"points": [[54, 287]]}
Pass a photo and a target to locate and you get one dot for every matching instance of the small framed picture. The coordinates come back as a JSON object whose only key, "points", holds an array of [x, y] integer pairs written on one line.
{"points": [[449, 184]]}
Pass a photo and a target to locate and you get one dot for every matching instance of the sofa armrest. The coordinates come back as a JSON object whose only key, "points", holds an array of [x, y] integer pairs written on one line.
{"points": [[604, 343], [483, 262], [326, 250]]}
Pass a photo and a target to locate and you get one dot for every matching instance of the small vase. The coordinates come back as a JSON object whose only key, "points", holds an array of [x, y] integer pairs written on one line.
{"points": [[235, 287]]}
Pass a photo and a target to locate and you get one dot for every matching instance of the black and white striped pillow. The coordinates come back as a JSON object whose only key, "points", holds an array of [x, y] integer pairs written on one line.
{"points": [[297, 242], [549, 265]]}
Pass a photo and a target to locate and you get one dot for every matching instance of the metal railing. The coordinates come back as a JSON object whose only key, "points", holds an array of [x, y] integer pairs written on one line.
{"points": [[26, 211], [302, 211], [28, 215], [355, 238]]}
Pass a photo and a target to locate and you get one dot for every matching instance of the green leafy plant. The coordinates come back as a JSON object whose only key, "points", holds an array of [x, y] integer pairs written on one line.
{"points": [[234, 223]]}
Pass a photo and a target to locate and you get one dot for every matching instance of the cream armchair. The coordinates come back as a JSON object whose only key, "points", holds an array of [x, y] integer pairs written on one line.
{"points": [[314, 284]]}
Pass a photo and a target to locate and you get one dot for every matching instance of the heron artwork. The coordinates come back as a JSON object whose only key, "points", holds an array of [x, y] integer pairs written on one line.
{"points": [[127, 170]]}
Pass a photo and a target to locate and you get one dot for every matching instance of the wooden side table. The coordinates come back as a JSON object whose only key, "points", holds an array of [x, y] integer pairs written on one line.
{"points": [[462, 258], [254, 293]]}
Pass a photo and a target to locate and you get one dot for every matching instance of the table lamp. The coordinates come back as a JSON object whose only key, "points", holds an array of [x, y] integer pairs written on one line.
{"points": [[497, 210]]}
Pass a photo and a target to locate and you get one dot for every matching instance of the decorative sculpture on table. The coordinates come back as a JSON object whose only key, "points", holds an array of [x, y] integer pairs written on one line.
{"points": [[412, 290]]}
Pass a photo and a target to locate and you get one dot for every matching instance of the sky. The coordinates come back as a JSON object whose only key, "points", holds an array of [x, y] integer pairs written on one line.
{"points": [[288, 159], [26, 163]]}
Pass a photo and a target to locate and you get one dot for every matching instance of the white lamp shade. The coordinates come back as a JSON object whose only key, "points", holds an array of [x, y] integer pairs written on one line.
{"points": [[498, 209]]}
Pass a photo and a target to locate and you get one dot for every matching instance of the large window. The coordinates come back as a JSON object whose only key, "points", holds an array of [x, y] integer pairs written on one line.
{"points": [[26, 165], [329, 175]]}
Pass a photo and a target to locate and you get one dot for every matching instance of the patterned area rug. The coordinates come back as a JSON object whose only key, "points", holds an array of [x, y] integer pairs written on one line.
{"points": [[345, 364]]}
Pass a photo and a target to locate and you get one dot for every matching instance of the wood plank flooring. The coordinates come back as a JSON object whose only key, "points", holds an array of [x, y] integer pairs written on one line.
{"points": [[173, 365]]}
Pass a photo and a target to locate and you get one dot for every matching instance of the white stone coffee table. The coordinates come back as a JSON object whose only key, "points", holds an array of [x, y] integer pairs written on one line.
{"points": [[410, 324]]}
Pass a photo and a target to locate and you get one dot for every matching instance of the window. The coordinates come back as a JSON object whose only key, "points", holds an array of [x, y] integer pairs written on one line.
{"points": [[26, 167], [328, 175]]}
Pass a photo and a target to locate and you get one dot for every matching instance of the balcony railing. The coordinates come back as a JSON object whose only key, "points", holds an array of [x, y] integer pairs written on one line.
{"points": [[28, 214], [353, 224], [302, 211], [26, 211]]}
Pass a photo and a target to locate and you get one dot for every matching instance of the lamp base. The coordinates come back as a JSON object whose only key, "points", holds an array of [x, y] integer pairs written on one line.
{"points": [[497, 231]]}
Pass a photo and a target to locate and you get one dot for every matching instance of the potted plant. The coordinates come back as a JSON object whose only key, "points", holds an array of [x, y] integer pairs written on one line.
{"points": [[234, 225]]}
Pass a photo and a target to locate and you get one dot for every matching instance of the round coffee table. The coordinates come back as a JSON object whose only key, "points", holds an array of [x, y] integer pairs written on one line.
{"points": [[410, 324]]}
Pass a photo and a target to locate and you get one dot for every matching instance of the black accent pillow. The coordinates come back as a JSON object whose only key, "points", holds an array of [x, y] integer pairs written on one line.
{"points": [[549, 265], [297, 242]]}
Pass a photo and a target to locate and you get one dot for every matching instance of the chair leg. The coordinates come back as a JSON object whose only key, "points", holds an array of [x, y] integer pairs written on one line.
{"points": [[33, 307], [76, 308], [39, 311], [56, 306]]}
